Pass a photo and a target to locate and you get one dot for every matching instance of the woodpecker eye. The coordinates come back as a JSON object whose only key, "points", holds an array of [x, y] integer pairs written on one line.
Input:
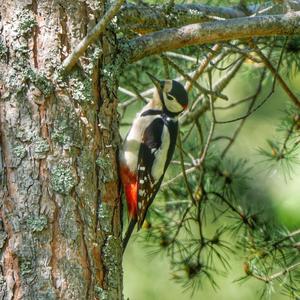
{"points": [[170, 97]]}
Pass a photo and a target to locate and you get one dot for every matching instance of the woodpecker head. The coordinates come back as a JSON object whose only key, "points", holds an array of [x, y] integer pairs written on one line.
{"points": [[172, 94]]}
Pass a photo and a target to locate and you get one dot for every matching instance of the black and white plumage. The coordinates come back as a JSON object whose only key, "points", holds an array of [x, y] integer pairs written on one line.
{"points": [[154, 156], [149, 147]]}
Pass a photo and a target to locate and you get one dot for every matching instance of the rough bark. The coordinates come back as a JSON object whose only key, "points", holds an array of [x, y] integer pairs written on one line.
{"points": [[59, 204]]}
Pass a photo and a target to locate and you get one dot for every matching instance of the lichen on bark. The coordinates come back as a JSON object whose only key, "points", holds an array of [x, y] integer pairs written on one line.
{"points": [[55, 242]]}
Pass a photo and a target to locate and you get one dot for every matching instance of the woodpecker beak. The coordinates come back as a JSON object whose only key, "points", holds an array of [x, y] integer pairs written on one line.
{"points": [[156, 81]]}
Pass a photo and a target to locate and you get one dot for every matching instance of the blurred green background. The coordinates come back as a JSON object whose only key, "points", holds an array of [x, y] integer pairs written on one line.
{"points": [[149, 277]]}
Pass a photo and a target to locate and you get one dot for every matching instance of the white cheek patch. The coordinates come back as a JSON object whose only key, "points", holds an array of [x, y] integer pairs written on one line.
{"points": [[161, 155], [172, 105]]}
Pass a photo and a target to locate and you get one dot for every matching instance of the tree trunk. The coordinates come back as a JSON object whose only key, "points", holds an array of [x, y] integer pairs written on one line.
{"points": [[60, 231]]}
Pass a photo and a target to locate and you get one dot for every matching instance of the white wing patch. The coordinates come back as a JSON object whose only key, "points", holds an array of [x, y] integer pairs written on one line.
{"points": [[133, 140], [161, 155]]}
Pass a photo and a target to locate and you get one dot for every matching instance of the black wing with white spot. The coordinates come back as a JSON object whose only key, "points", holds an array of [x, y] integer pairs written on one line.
{"points": [[147, 187]]}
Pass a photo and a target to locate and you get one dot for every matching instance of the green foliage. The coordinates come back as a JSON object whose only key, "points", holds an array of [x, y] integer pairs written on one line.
{"points": [[283, 150], [219, 211], [292, 57]]}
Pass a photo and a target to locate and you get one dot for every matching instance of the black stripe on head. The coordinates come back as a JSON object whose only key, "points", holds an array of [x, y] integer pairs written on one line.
{"points": [[179, 92]]}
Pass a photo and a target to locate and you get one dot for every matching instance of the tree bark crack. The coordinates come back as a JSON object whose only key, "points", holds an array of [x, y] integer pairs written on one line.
{"points": [[65, 47], [54, 248], [86, 259], [35, 35]]}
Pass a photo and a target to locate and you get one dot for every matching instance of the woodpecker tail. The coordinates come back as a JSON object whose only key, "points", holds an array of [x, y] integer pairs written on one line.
{"points": [[128, 233]]}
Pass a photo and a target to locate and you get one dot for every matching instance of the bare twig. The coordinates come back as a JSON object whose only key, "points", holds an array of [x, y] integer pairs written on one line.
{"points": [[234, 103], [181, 56], [72, 59], [126, 92], [183, 170], [251, 110], [283, 84], [254, 98], [189, 117], [196, 84], [180, 223], [212, 126], [245, 51], [233, 209], [203, 64], [187, 172]]}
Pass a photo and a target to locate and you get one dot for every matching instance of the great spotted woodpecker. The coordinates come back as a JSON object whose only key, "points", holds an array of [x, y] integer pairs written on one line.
{"points": [[148, 149]]}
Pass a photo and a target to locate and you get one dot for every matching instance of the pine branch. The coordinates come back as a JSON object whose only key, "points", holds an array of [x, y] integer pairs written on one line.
{"points": [[146, 18], [287, 237], [212, 32], [272, 277]]}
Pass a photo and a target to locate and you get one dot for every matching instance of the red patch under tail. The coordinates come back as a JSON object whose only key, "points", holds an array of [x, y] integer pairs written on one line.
{"points": [[130, 186]]}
